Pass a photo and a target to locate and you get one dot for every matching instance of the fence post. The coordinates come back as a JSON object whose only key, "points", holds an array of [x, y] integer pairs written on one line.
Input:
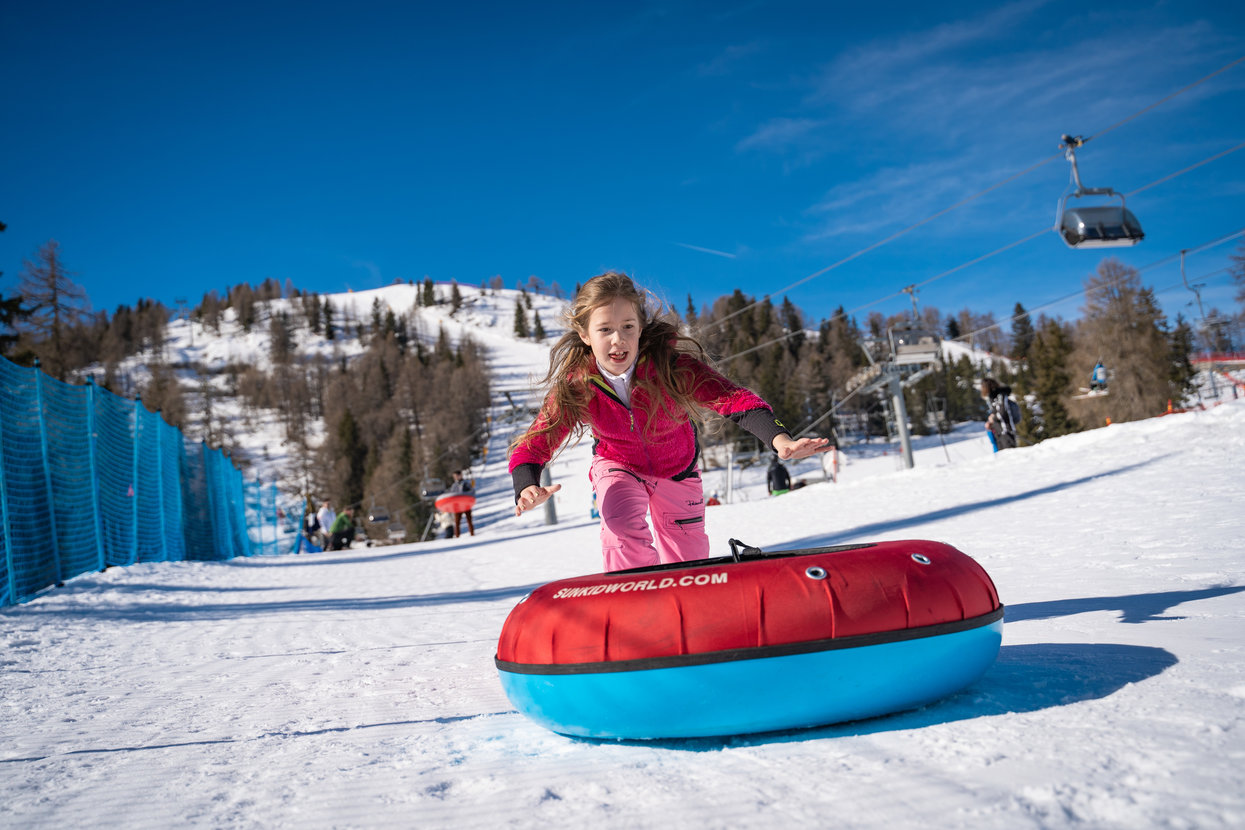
{"points": [[138, 429], [210, 486], [5, 528], [93, 442], [164, 531], [276, 520], [47, 473]]}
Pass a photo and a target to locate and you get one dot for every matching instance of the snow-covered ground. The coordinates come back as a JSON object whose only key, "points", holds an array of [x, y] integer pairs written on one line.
{"points": [[357, 689]]}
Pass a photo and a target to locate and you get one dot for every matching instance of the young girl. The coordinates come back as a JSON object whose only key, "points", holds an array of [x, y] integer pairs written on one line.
{"points": [[625, 372]]}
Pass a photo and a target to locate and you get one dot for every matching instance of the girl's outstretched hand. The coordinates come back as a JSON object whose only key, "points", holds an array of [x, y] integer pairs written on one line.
{"points": [[790, 448], [534, 496]]}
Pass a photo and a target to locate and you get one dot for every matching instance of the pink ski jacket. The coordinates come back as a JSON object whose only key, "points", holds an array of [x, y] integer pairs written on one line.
{"points": [[645, 438]]}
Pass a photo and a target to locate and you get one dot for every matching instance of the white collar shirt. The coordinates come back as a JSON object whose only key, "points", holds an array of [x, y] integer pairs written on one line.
{"points": [[621, 384]]}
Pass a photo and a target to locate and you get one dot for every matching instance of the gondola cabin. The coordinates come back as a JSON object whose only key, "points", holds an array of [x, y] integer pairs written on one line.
{"points": [[1098, 226], [1104, 226]]}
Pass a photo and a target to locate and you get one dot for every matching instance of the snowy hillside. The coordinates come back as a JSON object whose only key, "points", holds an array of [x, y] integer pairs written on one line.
{"points": [[357, 689], [487, 315]]}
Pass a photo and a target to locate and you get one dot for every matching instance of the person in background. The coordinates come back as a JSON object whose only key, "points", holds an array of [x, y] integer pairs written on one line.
{"points": [[1004, 413], [461, 485], [326, 516], [445, 524], [311, 526], [342, 530], [777, 479], [1098, 378], [624, 372]]}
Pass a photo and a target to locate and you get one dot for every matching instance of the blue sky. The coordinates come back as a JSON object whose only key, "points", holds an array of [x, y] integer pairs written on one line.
{"points": [[177, 147]]}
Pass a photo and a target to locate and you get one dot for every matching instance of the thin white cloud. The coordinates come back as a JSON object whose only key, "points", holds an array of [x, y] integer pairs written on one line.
{"points": [[727, 59], [886, 56], [782, 133], [705, 250], [371, 267], [959, 95]]}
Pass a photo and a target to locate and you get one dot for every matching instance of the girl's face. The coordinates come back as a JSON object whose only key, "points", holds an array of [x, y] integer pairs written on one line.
{"points": [[614, 335]]}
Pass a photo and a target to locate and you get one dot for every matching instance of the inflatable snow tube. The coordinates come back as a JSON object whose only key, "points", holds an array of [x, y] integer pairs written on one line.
{"points": [[752, 642], [455, 502]]}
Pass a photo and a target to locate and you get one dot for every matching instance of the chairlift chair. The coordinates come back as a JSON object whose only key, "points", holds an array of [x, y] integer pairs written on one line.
{"points": [[1097, 226], [377, 514], [432, 488], [912, 345]]}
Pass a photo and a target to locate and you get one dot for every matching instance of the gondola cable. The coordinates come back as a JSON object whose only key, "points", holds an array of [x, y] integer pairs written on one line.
{"points": [[995, 186], [986, 256]]}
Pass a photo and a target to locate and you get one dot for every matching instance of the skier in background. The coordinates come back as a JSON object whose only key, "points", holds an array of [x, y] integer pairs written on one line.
{"points": [[1004, 413], [1098, 378], [777, 479]]}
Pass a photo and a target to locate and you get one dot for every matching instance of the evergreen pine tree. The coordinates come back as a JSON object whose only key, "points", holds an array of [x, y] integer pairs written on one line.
{"points": [[377, 317], [311, 310], [354, 455], [538, 329], [1183, 374], [793, 324], [1022, 332], [520, 321], [456, 297], [1049, 381], [429, 296], [330, 332]]}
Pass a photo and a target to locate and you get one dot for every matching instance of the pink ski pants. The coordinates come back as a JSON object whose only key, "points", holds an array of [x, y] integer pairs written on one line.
{"points": [[677, 509]]}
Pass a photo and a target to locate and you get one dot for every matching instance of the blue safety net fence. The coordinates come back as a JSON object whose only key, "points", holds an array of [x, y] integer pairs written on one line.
{"points": [[89, 480]]}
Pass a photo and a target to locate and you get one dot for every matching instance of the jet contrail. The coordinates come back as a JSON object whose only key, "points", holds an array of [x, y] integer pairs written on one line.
{"points": [[705, 250]]}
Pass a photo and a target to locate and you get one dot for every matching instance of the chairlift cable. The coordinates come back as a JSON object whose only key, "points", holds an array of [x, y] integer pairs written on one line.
{"points": [[995, 186], [997, 251], [1007, 247], [1221, 240], [892, 237], [1187, 169], [1163, 100], [1155, 264]]}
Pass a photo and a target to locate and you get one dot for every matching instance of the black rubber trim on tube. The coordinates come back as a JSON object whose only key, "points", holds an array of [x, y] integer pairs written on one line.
{"points": [[728, 655], [727, 560]]}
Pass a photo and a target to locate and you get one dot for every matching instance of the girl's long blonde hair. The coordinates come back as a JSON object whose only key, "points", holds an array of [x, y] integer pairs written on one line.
{"points": [[571, 361]]}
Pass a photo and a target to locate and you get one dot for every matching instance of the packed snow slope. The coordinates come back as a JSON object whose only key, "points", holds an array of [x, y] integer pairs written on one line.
{"points": [[357, 689]]}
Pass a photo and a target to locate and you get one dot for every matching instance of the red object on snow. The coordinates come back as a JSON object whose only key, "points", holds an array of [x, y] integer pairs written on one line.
{"points": [[764, 600], [455, 502]]}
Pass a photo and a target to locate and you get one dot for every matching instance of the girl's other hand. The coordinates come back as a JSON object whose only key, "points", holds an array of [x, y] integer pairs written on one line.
{"points": [[534, 496], [789, 448]]}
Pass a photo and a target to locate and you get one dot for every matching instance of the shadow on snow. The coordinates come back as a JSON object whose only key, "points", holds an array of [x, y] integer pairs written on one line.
{"points": [[862, 532], [1026, 678], [1134, 608], [155, 611]]}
